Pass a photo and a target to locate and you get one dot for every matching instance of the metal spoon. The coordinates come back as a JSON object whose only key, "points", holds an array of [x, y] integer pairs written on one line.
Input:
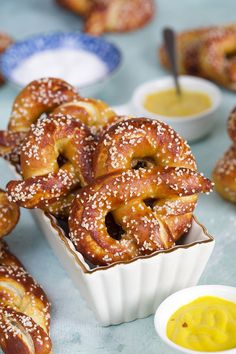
{"points": [[170, 45]]}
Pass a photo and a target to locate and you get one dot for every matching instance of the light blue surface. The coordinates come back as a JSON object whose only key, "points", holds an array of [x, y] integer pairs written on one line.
{"points": [[74, 329]]}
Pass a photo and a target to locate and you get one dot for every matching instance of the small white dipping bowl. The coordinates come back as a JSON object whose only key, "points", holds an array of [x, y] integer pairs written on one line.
{"points": [[172, 303], [191, 127]]}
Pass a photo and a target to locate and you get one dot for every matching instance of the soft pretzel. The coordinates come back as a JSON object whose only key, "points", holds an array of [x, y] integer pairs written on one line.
{"points": [[143, 230], [224, 173], [145, 198], [46, 179], [24, 309], [232, 126], [112, 15], [207, 52], [118, 15], [96, 114], [40, 96], [5, 42], [9, 214], [141, 142], [80, 7]]}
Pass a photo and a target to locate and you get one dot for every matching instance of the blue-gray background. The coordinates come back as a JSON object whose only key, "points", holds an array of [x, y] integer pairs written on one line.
{"points": [[74, 329]]}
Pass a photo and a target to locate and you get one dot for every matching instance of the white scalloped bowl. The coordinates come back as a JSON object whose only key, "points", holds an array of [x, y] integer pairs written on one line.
{"points": [[125, 291]]}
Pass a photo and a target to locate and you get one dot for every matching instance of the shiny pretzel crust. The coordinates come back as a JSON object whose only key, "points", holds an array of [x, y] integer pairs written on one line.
{"points": [[9, 214], [24, 309], [154, 142], [45, 182], [96, 114], [145, 231], [40, 96]]}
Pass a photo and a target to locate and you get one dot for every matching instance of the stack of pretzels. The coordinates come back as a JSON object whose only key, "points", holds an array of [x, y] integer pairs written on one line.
{"points": [[224, 174], [127, 186], [207, 52]]}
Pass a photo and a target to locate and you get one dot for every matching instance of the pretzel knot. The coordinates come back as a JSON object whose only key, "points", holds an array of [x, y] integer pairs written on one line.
{"points": [[145, 198], [40, 96], [146, 143], [125, 195], [224, 173], [55, 161], [24, 309], [9, 214]]}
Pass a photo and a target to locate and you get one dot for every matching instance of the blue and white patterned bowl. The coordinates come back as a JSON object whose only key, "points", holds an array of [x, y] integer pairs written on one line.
{"points": [[107, 52]]}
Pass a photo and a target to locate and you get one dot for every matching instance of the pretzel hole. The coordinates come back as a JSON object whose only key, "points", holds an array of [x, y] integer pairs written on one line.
{"points": [[150, 202], [113, 229], [145, 162], [61, 160], [230, 55]]}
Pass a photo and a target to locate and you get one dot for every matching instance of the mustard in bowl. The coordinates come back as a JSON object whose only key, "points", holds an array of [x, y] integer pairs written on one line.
{"points": [[200, 319], [192, 115], [169, 104]]}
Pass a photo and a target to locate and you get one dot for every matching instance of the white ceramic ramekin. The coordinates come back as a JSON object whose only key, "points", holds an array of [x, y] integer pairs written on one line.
{"points": [[192, 127], [183, 297], [125, 291]]}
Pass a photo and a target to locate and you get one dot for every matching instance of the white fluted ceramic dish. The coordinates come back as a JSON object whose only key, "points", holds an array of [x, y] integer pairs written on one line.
{"points": [[126, 291]]}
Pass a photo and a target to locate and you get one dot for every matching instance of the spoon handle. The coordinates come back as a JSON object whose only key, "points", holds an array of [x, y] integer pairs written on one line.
{"points": [[170, 45]]}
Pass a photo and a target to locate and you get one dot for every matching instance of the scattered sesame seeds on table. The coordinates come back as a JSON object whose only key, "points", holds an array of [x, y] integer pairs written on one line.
{"points": [[74, 329]]}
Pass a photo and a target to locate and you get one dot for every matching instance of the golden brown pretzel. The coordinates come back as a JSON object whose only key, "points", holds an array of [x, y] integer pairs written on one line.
{"points": [[112, 15], [6, 257], [40, 96], [232, 125], [9, 214], [143, 231], [118, 15], [46, 179], [96, 114], [24, 309], [5, 42], [224, 173], [141, 142], [81, 7], [207, 52]]}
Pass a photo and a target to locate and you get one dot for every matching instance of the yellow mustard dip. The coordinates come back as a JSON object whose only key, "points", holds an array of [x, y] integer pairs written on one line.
{"points": [[206, 324], [168, 103]]}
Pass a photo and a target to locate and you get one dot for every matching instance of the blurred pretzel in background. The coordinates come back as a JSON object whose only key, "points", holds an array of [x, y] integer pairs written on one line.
{"points": [[207, 52], [5, 42], [224, 174], [111, 15]]}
